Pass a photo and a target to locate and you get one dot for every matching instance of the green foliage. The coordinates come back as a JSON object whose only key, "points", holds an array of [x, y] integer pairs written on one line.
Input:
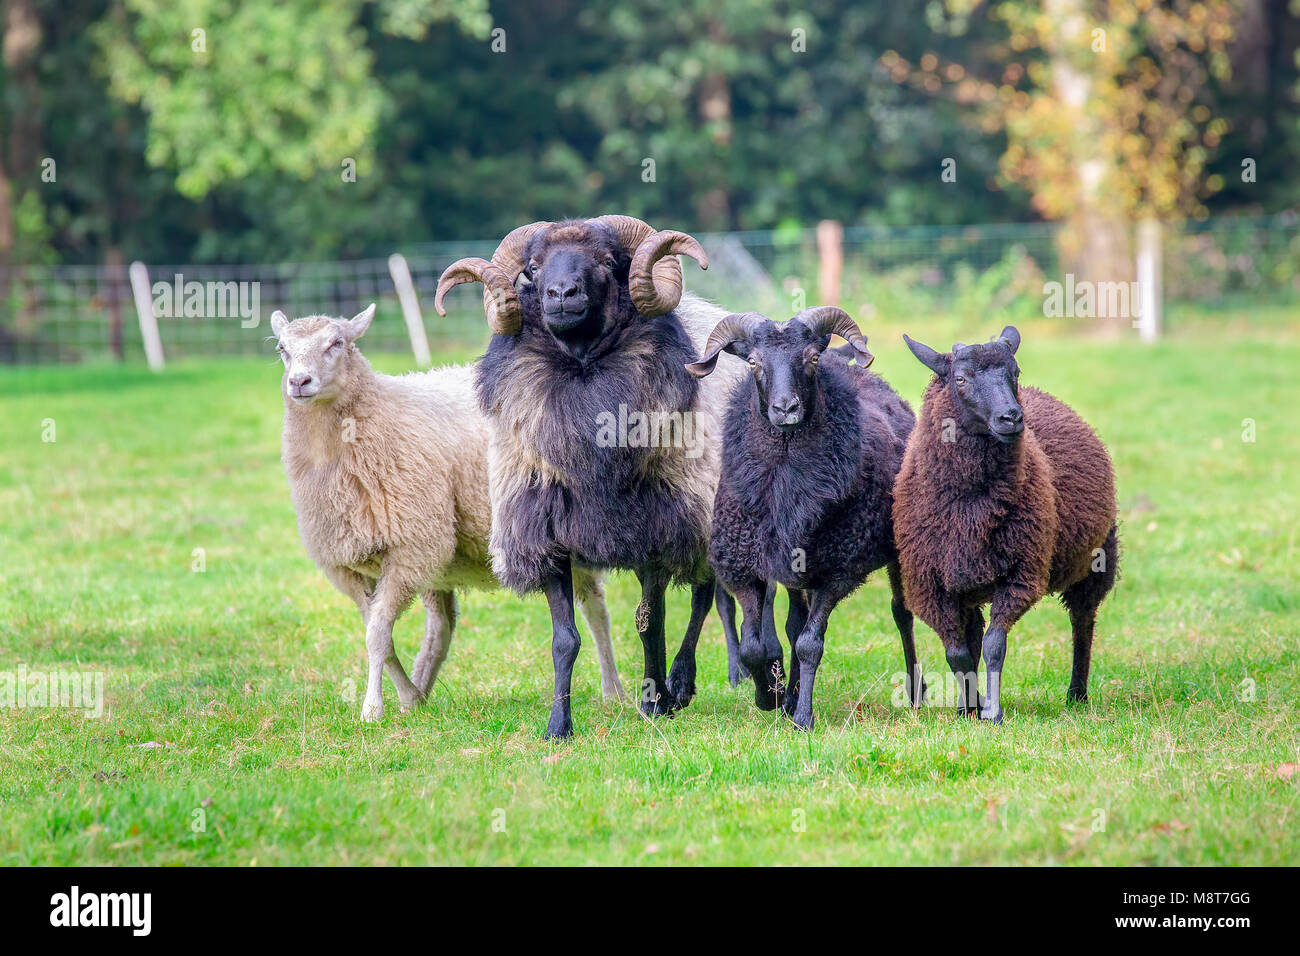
{"points": [[232, 89]]}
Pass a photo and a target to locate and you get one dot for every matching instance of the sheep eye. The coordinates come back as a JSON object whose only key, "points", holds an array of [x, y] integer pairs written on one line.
{"points": [[960, 380], [814, 358]]}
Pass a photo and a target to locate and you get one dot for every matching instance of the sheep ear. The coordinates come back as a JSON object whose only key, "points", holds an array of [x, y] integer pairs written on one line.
{"points": [[706, 365], [731, 334], [357, 325], [1011, 337], [934, 361], [279, 321]]}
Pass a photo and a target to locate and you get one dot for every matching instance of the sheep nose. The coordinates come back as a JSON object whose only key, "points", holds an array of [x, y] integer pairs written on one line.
{"points": [[786, 406], [1012, 418], [298, 381], [562, 290]]}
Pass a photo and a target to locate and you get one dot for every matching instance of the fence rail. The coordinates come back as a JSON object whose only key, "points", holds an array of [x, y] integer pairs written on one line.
{"points": [[71, 313]]}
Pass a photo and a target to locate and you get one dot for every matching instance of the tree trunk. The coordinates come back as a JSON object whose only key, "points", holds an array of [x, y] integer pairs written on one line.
{"points": [[114, 285], [1093, 244], [713, 206]]}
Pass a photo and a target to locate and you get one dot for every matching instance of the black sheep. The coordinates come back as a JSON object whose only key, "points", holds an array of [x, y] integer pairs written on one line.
{"points": [[597, 331], [810, 449], [1005, 494]]}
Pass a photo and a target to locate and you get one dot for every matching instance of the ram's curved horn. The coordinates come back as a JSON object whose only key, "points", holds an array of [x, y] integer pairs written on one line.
{"points": [[655, 277], [824, 319], [500, 300], [731, 328]]}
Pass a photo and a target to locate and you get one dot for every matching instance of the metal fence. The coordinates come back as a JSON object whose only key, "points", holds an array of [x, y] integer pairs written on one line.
{"points": [[71, 313]]}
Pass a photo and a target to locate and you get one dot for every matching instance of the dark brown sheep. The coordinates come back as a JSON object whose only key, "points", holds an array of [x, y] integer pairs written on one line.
{"points": [[1004, 495]]}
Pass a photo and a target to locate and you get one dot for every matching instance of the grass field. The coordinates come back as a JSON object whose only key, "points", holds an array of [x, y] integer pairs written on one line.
{"points": [[230, 737]]}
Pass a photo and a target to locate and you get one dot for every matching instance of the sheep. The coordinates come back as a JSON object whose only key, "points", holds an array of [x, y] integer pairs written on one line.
{"points": [[1005, 494], [810, 450], [389, 480], [599, 332]]}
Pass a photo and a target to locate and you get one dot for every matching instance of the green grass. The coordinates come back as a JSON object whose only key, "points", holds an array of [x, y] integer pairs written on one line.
{"points": [[242, 671]]}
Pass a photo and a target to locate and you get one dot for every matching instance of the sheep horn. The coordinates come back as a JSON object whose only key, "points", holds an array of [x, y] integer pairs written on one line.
{"points": [[731, 328], [500, 300], [655, 277], [824, 319]]}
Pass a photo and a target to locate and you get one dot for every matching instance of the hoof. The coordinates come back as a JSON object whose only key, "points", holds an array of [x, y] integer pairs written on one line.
{"points": [[612, 691], [559, 729], [681, 685], [1076, 695], [371, 711], [665, 706], [991, 716], [803, 721]]}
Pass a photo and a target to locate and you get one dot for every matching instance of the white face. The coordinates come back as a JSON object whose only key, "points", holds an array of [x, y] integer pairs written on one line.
{"points": [[311, 360], [314, 351]]}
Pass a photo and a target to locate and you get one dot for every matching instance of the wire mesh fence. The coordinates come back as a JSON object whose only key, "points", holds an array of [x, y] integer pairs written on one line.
{"points": [[69, 313]]}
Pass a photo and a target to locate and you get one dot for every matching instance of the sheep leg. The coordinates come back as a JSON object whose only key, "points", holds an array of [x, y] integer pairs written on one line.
{"points": [[439, 628], [968, 680], [727, 614], [565, 643], [796, 619], [759, 649], [1082, 599], [809, 647], [681, 679], [903, 620], [656, 699], [995, 652], [386, 605], [590, 595], [354, 586]]}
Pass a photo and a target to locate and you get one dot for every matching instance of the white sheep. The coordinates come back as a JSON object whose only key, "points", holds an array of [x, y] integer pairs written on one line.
{"points": [[389, 480]]}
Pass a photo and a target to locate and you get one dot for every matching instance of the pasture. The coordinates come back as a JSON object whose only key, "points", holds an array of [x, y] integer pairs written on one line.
{"points": [[153, 542]]}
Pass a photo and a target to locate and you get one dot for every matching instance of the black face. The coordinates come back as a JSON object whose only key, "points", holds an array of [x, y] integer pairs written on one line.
{"points": [[576, 279], [985, 384], [783, 359], [984, 381]]}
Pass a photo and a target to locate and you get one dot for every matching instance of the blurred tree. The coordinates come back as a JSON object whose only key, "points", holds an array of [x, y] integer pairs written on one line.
{"points": [[234, 89], [761, 112], [1107, 109]]}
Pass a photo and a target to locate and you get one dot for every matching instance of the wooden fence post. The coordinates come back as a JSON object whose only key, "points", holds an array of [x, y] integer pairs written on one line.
{"points": [[830, 255], [1149, 268], [401, 273], [153, 349]]}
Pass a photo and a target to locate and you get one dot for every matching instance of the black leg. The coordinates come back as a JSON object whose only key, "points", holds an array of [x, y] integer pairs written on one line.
{"points": [[811, 643], [681, 679], [795, 620], [727, 614], [1082, 600], [759, 649], [564, 648], [903, 621], [656, 699], [968, 699], [963, 666]]}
